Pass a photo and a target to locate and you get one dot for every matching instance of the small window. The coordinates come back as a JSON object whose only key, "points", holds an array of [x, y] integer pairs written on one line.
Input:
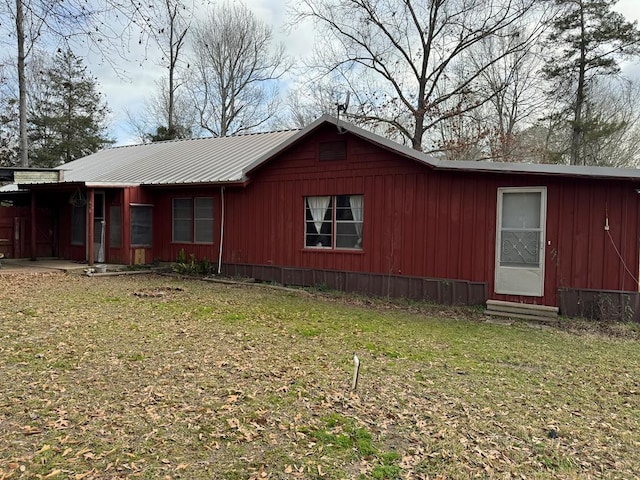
{"points": [[141, 225], [334, 222], [78, 224], [193, 220]]}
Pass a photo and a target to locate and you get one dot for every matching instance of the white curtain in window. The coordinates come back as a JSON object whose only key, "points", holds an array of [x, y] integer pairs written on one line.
{"points": [[355, 201], [318, 207]]}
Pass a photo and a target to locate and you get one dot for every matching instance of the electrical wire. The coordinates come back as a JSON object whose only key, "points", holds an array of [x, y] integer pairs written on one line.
{"points": [[613, 243]]}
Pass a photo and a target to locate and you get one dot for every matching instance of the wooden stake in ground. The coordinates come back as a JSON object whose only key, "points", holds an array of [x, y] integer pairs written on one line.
{"points": [[356, 370]]}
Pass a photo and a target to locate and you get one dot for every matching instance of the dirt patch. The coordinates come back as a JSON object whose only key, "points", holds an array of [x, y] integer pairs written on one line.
{"points": [[158, 292]]}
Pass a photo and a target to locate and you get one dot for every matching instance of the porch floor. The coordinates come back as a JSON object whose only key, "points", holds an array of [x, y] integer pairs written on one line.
{"points": [[41, 265]]}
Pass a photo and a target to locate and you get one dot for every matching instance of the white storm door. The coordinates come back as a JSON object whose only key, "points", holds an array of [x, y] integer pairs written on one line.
{"points": [[98, 227], [520, 240]]}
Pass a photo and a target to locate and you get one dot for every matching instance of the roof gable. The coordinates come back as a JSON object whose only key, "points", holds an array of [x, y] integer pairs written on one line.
{"points": [[450, 165], [342, 127]]}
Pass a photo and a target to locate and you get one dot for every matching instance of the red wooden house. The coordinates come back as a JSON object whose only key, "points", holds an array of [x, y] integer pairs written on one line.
{"points": [[336, 205]]}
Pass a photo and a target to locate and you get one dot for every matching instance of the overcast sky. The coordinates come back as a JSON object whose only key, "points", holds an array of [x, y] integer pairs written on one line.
{"points": [[129, 93], [124, 94]]}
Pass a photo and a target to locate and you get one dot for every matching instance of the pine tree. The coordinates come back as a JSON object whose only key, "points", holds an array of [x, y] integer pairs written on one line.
{"points": [[588, 39], [162, 133], [68, 121]]}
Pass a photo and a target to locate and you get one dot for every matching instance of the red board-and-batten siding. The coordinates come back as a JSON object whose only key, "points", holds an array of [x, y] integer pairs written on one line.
{"points": [[163, 245], [430, 223]]}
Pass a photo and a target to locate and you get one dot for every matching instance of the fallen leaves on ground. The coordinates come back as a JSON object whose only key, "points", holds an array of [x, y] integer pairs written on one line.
{"points": [[153, 377]]}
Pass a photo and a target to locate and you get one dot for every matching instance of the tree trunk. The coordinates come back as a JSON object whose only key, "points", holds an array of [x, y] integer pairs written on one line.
{"points": [[577, 130], [22, 87], [170, 115], [418, 133], [172, 67]]}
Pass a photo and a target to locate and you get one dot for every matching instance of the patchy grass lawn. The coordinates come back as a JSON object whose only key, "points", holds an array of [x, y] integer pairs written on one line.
{"points": [[154, 377]]}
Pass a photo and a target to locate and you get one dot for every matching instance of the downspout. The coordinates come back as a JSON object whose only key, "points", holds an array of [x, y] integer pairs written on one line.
{"points": [[221, 229]]}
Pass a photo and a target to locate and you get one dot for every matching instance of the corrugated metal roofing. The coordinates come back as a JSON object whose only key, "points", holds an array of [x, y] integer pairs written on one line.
{"points": [[497, 167], [440, 164], [231, 159], [203, 160]]}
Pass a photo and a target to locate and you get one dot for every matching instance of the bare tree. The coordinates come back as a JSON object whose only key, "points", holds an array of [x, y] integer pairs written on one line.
{"points": [[168, 23], [236, 70], [400, 54], [22, 109], [516, 95], [309, 99], [95, 25], [515, 92], [10, 135], [148, 123]]}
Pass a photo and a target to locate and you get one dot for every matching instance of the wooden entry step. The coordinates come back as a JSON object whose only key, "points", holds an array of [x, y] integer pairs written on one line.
{"points": [[525, 311]]}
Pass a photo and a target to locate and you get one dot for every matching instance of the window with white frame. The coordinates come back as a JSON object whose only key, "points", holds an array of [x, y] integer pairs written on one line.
{"points": [[193, 220], [141, 225], [334, 222]]}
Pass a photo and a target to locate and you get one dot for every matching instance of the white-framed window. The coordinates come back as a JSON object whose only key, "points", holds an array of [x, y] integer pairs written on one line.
{"points": [[193, 220], [334, 222], [141, 225]]}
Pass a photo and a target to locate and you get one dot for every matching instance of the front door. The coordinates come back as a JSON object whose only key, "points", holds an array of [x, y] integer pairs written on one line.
{"points": [[520, 239]]}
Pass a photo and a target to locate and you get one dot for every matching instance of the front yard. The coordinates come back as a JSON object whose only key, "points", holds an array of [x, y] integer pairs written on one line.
{"points": [[155, 377]]}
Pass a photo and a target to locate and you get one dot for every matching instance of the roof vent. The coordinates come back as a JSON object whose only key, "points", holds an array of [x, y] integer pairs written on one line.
{"points": [[333, 151]]}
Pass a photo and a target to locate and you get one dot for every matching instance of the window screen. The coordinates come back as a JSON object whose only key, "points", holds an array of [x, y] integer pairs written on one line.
{"points": [[78, 225], [141, 225], [182, 220], [193, 220], [115, 226], [521, 229], [203, 219]]}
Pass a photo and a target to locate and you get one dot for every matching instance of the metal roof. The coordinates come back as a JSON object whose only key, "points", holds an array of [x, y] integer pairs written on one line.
{"points": [[232, 159], [203, 160], [459, 165]]}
